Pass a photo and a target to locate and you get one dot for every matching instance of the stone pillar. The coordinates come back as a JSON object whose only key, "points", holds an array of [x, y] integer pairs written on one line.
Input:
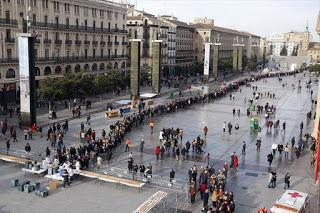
{"points": [[235, 57], [240, 58], [215, 61], [135, 67], [28, 99], [156, 65]]}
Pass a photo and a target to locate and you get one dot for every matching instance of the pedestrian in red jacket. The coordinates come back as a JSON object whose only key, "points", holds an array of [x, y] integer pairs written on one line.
{"points": [[158, 152]]}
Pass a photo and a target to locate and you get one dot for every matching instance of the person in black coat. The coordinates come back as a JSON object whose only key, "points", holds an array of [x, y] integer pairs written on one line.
{"points": [[270, 158], [130, 164], [172, 174], [205, 198]]}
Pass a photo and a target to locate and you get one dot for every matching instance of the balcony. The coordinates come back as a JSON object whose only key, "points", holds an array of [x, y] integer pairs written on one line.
{"points": [[8, 21], [59, 42], [10, 40], [109, 43], [47, 41], [94, 42], [9, 60], [37, 41], [102, 43], [86, 42], [164, 45], [116, 43], [69, 42], [77, 42], [124, 43], [146, 45], [163, 35]]}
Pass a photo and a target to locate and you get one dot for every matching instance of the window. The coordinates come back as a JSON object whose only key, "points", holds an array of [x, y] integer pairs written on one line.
{"points": [[33, 3], [56, 5], [46, 35], [46, 53], [85, 37], [67, 36], [8, 33], [77, 23], [36, 53], [123, 27], [124, 16], [94, 12], [116, 15], [115, 39], [21, 15], [57, 21], [85, 53], [101, 25], [101, 13], [94, 53], [94, 25], [109, 51], [85, 24], [109, 14], [77, 36], [66, 7], [109, 26], [76, 9], [9, 53], [57, 53], [115, 52], [67, 21], [44, 3], [46, 20], [57, 36], [101, 53], [85, 11], [8, 15], [67, 53], [116, 26], [34, 18]]}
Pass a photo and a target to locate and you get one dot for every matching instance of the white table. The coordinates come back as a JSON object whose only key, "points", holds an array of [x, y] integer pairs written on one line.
{"points": [[39, 172], [54, 177]]}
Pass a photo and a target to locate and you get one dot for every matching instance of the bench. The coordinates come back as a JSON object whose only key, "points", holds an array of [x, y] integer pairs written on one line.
{"points": [[151, 202], [39, 172], [13, 159]]}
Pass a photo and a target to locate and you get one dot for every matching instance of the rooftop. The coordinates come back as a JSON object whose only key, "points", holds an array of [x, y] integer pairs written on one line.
{"points": [[220, 29], [180, 23]]}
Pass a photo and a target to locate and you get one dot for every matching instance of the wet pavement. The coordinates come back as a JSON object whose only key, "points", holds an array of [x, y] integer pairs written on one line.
{"points": [[249, 183]]}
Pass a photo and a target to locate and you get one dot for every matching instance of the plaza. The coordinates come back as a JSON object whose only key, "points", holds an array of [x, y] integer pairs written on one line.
{"points": [[248, 183]]}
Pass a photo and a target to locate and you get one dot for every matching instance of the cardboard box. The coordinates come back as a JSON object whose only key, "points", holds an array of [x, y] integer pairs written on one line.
{"points": [[53, 185]]}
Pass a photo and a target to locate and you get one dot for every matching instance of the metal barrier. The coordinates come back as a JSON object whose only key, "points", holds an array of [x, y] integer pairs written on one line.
{"points": [[21, 154], [171, 203]]}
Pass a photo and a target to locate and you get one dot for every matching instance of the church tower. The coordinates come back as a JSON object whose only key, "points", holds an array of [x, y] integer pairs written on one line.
{"points": [[304, 42]]}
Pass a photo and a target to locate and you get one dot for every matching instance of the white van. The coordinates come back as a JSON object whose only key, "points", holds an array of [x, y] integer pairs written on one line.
{"points": [[292, 201]]}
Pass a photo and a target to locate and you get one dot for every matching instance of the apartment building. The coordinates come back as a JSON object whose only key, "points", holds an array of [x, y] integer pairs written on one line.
{"points": [[72, 36], [227, 37], [146, 26]]}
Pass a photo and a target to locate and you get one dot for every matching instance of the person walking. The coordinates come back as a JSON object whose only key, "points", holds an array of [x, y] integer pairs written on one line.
{"points": [[205, 131], [177, 153], [157, 152], [286, 150], [8, 146], [205, 199], [27, 148], [270, 158], [280, 148], [244, 148], [14, 135], [172, 174], [274, 148], [183, 153], [224, 126], [258, 144], [127, 145], [207, 159], [151, 126], [141, 145], [284, 127], [65, 176], [287, 181], [162, 150]]}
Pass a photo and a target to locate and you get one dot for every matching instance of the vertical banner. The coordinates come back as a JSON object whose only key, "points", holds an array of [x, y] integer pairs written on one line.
{"points": [[206, 58], [318, 152], [24, 74]]}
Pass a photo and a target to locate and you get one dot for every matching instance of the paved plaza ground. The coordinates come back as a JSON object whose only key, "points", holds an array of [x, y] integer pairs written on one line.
{"points": [[249, 183]]}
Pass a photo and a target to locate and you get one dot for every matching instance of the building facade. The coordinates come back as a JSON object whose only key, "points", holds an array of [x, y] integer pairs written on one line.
{"points": [[227, 38], [146, 26], [184, 42], [72, 36]]}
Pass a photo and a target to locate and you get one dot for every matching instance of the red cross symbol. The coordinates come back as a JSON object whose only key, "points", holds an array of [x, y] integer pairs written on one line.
{"points": [[294, 195]]}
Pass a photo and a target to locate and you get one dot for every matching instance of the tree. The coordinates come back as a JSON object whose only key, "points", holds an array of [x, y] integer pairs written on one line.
{"points": [[244, 61], [144, 76], [252, 65], [284, 51], [303, 67], [224, 64], [314, 68], [197, 67]]}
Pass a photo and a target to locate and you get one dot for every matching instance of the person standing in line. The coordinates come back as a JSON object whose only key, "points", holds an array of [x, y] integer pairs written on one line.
{"points": [[286, 150], [205, 199], [207, 159]]}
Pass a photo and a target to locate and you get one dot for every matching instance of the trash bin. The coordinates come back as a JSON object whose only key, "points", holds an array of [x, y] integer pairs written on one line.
{"points": [[170, 94], [254, 123], [252, 107]]}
